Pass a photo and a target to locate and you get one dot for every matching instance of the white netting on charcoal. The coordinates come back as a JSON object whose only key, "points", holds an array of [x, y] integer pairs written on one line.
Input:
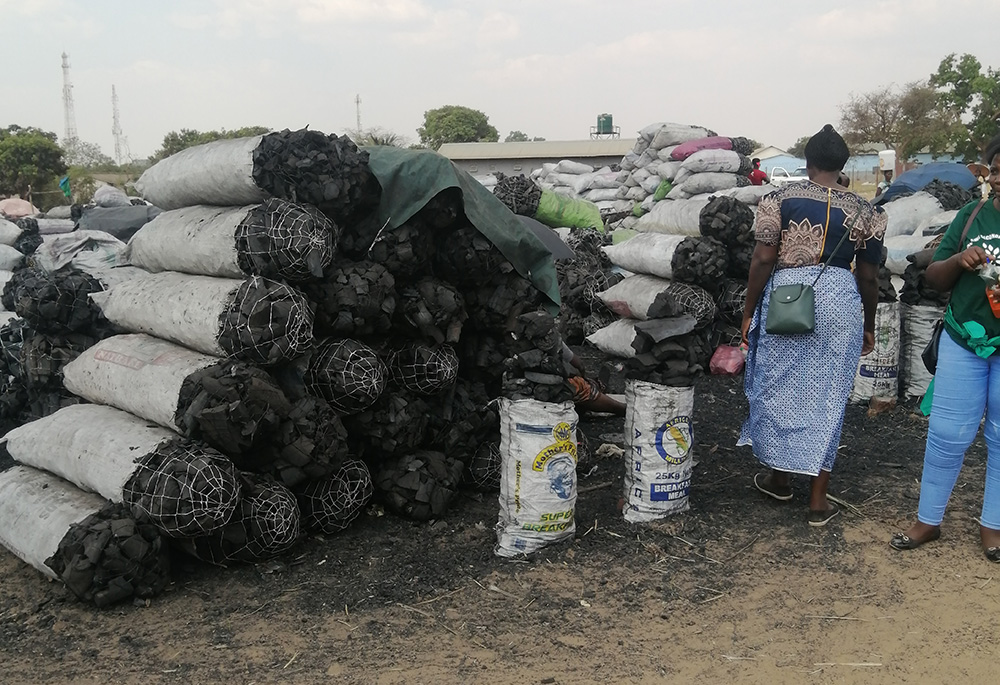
{"points": [[347, 374], [187, 490], [331, 504], [483, 470], [266, 322], [281, 239], [424, 369]]}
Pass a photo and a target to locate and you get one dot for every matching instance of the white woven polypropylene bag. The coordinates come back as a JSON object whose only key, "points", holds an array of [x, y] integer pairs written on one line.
{"points": [[538, 475], [194, 240], [878, 371], [646, 253], [659, 439]]}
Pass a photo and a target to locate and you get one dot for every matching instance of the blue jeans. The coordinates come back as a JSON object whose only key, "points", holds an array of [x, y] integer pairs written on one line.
{"points": [[965, 386]]}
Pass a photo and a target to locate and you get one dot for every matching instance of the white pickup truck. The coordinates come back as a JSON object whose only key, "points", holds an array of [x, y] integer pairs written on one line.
{"points": [[780, 177]]}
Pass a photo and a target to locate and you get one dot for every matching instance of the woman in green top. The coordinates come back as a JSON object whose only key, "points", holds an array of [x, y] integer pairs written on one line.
{"points": [[967, 380]]}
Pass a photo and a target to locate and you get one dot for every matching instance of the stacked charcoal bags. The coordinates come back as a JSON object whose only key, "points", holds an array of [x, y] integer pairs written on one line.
{"points": [[577, 179]]}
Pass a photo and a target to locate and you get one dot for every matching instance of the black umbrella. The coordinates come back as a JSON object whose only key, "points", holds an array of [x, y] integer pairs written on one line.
{"points": [[549, 238]]}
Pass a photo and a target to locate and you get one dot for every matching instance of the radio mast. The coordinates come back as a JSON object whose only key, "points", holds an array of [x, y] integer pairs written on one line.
{"points": [[116, 126], [69, 115]]}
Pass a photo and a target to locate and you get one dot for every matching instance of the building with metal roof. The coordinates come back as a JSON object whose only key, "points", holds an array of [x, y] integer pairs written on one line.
{"points": [[480, 159]]}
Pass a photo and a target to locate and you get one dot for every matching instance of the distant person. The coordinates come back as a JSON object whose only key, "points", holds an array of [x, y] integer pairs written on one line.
{"points": [[884, 184], [844, 180], [757, 177]]}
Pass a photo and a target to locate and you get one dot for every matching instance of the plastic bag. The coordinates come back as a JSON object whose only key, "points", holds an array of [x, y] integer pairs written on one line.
{"points": [[727, 360]]}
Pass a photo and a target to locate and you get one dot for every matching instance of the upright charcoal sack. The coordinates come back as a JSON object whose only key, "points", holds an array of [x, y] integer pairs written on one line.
{"points": [[538, 477], [918, 326], [659, 437], [878, 371]]}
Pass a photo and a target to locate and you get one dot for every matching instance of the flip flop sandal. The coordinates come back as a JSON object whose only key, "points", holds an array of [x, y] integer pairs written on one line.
{"points": [[781, 494], [818, 519], [902, 541], [993, 554]]}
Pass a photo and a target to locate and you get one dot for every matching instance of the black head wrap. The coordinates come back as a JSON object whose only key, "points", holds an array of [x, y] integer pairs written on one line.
{"points": [[991, 150], [827, 151]]}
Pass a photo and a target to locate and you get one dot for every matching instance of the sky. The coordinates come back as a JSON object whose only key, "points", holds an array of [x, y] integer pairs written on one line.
{"points": [[769, 70]]}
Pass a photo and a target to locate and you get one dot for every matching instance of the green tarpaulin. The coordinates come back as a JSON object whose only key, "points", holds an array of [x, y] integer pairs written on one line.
{"points": [[410, 178]]}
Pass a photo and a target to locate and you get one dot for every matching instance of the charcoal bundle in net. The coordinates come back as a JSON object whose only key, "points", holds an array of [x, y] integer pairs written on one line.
{"points": [[951, 195], [467, 258], [484, 469], [254, 319], [228, 404], [30, 239], [53, 302], [393, 426], [44, 356], [491, 305], [431, 310], [326, 171], [95, 548], [330, 505], [275, 239], [742, 145], [308, 444], [265, 524], [346, 373], [182, 487], [730, 222], [675, 361], [732, 301], [703, 262], [520, 194], [723, 333], [419, 486], [423, 369], [917, 291], [355, 299], [461, 419]]}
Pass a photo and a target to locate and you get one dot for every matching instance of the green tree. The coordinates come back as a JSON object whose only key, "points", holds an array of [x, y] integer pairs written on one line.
{"points": [[971, 97], [175, 141], [456, 124], [516, 137], [28, 157], [904, 119], [798, 149], [89, 155]]}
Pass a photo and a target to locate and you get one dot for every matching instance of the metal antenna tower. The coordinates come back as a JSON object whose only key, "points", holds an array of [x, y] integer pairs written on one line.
{"points": [[357, 104], [116, 126], [69, 115]]}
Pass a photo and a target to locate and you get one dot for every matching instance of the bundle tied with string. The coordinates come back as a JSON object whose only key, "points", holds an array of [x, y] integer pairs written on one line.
{"points": [[421, 485], [460, 419], [30, 239], [230, 405], [326, 171], [484, 469], [730, 222], [276, 239], [184, 488], [330, 505], [645, 297], [355, 299], [423, 369], [520, 194], [732, 301], [431, 310], [54, 302], [96, 549], [346, 373], [266, 523], [254, 319]]}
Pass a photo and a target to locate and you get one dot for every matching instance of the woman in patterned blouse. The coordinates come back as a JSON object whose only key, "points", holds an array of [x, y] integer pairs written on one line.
{"points": [[798, 385]]}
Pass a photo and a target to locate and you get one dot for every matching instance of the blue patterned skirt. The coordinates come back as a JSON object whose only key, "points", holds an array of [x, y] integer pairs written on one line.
{"points": [[798, 385]]}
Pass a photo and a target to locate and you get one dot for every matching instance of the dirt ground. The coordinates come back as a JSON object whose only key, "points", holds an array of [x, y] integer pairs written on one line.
{"points": [[739, 589]]}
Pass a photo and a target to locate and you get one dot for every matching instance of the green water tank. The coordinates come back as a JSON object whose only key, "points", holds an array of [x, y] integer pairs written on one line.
{"points": [[605, 124]]}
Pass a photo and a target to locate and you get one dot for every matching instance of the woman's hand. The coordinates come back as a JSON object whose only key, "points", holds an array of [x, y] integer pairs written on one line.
{"points": [[972, 258], [745, 330], [869, 344]]}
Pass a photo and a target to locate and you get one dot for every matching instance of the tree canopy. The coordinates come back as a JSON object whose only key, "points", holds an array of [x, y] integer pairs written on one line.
{"points": [[87, 155], [175, 141], [520, 137], [904, 119], [28, 157], [970, 95], [798, 149], [456, 124], [377, 136]]}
